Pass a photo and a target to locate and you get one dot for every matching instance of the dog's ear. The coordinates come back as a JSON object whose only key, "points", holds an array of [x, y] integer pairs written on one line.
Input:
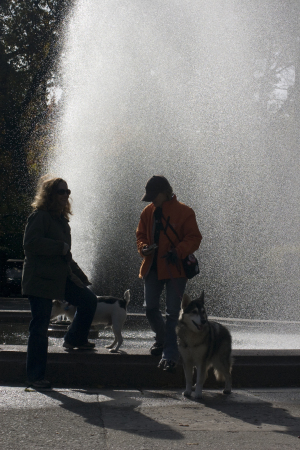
{"points": [[185, 301], [201, 298]]}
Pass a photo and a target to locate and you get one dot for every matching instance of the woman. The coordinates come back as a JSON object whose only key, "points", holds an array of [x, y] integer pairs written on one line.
{"points": [[50, 273], [167, 232]]}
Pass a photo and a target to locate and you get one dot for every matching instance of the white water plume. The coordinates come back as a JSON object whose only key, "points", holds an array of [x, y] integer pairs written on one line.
{"points": [[154, 87]]}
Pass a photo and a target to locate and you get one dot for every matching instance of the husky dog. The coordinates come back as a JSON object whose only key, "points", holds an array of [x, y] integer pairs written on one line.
{"points": [[202, 344], [111, 311]]}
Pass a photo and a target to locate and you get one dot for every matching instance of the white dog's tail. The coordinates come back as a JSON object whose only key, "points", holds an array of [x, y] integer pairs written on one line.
{"points": [[127, 296]]}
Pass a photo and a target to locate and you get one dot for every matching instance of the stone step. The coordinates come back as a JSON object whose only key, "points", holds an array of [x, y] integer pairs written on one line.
{"points": [[135, 368]]}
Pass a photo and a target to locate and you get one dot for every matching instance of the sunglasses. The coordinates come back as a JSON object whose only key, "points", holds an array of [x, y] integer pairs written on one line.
{"points": [[63, 191]]}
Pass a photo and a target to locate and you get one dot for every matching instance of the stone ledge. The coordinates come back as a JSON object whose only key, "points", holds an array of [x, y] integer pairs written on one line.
{"points": [[137, 369]]}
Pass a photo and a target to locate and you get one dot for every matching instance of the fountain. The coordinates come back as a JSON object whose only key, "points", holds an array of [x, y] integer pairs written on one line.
{"points": [[169, 88]]}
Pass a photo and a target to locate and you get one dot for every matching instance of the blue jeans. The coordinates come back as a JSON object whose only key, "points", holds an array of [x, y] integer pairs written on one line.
{"points": [[164, 331], [86, 302]]}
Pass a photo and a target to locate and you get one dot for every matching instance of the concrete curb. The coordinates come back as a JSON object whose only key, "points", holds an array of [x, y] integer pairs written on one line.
{"points": [[137, 369], [11, 316]]}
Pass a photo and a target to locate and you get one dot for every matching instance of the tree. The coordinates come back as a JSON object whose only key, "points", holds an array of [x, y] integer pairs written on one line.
{"points": [[275, 37], [30, 41], [31, 36]]}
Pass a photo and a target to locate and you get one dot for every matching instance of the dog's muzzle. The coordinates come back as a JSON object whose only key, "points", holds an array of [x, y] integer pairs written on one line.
{"points": [[199, 327]]}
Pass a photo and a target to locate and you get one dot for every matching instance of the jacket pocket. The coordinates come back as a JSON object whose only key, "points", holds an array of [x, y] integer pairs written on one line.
{"points": [[51, 271]]}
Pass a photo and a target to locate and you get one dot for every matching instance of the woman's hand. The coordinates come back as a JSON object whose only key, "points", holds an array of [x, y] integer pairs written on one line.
{"points": [[66, 248], [68, 256]]}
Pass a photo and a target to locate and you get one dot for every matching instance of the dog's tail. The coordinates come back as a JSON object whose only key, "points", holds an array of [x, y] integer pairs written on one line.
{"points": [[219, 375], [224, 368], [127, 296]]}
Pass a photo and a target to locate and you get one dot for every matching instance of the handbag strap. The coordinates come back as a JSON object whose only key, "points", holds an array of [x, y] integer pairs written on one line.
{"points": [[172, 229], [172, 243]]}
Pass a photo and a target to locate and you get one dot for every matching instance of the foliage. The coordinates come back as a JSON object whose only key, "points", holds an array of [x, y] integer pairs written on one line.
{"points": [[30, 40], [275, 27]]}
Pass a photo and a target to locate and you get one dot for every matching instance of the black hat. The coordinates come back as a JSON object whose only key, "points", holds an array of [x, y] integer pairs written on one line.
{"points": [[155, 186]]}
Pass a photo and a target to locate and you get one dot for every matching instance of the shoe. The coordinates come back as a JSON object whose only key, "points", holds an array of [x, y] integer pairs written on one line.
{"points": [[167, 365], [41, 384], [86, 346], [156, 349]]}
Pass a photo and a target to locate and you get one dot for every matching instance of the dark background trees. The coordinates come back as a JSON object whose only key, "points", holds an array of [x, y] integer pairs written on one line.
{"points": [[30, 41], [277, 36]]}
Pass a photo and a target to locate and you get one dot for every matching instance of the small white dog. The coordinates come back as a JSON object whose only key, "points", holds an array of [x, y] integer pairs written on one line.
{"points": [[111, 311]]}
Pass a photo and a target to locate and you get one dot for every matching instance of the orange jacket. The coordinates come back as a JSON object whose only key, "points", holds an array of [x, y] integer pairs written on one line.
{"points": [[183, 220]]}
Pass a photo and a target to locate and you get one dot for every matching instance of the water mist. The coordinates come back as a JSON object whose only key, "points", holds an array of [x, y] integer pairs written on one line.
{"points": [[154, 87]]}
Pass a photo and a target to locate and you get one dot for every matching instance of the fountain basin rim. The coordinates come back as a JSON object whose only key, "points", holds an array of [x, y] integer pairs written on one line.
{"points": [[7, 315], [237, 319], [137, 368]]}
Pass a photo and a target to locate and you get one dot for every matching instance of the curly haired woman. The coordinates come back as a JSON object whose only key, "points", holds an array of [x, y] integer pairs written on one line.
{"points": [[51, 273]]}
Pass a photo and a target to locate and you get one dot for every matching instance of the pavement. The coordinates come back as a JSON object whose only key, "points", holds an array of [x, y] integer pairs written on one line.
{"points": [[115, 419], [122, 401]]}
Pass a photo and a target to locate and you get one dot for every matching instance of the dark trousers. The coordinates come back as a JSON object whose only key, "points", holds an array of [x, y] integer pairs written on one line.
{"points": [[164, 330], [86, 302]]}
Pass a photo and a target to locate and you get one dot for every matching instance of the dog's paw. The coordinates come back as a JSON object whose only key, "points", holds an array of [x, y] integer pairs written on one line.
{"points": [[227, 391], [109, 346], [198, 397], [187, 393], [113, 350], [198, 394]]}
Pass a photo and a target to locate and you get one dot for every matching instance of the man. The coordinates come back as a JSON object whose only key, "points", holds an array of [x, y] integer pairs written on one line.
{"points": [[167, 232]]}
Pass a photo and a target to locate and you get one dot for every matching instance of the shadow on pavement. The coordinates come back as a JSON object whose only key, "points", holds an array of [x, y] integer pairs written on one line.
{"points": [[121, 412], [253, 409]]}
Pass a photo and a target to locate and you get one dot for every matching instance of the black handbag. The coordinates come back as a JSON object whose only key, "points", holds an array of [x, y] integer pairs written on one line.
{"points": [[191, 266], [190, 263]]}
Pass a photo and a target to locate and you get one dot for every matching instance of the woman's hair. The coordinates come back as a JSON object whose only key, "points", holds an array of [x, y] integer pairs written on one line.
{"points": [[46, 197]]}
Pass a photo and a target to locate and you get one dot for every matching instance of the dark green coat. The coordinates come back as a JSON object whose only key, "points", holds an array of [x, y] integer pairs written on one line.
{"points": [[45, 267]]}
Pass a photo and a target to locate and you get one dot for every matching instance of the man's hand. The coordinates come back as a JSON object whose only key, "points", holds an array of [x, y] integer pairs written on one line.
{"points": [[172, 256], [147, 250]]}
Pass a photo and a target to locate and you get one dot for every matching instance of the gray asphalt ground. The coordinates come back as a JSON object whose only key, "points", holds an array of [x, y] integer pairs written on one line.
{"points": [[97, 419]]}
